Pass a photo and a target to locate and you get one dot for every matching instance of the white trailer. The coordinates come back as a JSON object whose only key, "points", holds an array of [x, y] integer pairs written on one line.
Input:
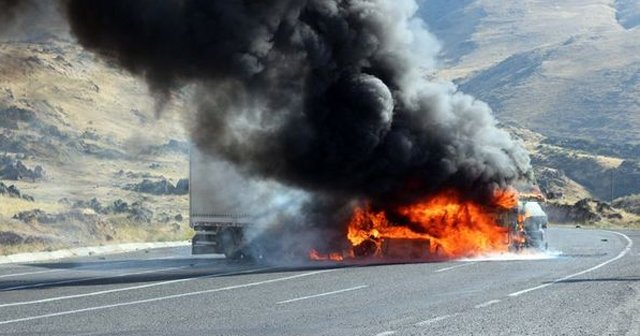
{"points": [[229, 211], [217, 206]]}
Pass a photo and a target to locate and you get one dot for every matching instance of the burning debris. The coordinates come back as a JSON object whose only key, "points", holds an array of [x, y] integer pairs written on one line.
{"points": [[328, 97], [445, 225]]}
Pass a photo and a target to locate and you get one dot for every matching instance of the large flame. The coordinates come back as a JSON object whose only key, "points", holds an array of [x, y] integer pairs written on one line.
{"points": [[443, 225]]}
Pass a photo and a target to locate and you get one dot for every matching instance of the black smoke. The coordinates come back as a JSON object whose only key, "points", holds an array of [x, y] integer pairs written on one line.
{"points": [[329, 96]]}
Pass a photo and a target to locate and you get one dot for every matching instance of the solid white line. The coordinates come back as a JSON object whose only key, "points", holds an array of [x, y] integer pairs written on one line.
{"points": [[116, 290], [79, 268], [62, 282], [162, 298], [386, 333], [323, 294], [29, 273], [85, 252], [90, 268], [620, 255], [456, 266], [486, 304], [433, 320]]}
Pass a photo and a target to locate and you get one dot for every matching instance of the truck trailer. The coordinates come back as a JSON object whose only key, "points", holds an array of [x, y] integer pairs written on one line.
{"points": [[218, 202], [224, 206]]}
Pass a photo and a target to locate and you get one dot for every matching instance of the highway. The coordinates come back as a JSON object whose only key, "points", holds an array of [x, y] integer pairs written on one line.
{"points": [[589, 284]]}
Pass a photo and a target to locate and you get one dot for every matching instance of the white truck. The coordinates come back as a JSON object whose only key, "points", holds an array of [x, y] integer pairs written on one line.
{"points": [[217, 206], [227, 210]]}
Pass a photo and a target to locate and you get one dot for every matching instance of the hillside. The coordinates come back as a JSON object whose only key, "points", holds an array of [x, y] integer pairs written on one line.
{"points": [[87, 155], [76, 136], [563, 76], [565, 69]]}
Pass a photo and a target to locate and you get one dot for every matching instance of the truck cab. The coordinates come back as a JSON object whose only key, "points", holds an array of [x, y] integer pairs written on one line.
{"points": [[534, 222]]}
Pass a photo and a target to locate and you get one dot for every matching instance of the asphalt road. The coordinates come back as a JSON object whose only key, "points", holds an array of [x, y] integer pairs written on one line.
{"points": [[589, 286]]}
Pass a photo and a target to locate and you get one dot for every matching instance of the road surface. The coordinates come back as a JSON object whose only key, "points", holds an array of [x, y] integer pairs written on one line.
{"points": [[589, 286]]}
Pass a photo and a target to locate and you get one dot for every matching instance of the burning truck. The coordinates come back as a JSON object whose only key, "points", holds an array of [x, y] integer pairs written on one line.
{"points": [[444, 225], [320, 130], [314, 121]]}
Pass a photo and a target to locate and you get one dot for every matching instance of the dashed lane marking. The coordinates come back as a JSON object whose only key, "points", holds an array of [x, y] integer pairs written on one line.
{"points": [[486, 304], [162, 298], [433, 320], [454, 267], [116, 290], [323, 294]]}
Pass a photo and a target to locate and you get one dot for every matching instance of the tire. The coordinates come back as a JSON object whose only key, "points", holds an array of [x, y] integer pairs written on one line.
{"points": [[229, 243]]}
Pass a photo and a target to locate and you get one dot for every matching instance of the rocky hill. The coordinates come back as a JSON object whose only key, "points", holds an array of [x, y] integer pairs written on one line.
{"points": [[87, 155], [580, 184], [564, 76], [86, 143], [565, 69]]}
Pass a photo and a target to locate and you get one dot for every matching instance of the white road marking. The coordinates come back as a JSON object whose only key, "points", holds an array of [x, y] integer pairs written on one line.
{"points": [[155, 284], [62, 282], [79, 268], [454, 267], [323, 294], [29, 273], [433, 320], [386, 333], [486, 304], [619, 256], [162, 298]]}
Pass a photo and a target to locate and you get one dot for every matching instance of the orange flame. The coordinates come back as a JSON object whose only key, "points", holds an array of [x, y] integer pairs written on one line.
{"points": [[315, 255], [446, 224], [506, 198]]}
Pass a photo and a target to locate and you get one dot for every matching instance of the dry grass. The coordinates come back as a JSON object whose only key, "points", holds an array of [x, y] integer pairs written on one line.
{"points": [[62, 236], [76, 93], [127, 231], [605, 161], [10, 206]]}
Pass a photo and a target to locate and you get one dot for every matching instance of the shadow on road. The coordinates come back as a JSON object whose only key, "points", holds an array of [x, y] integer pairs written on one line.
{"points": [[618, 279], [118, 272]]}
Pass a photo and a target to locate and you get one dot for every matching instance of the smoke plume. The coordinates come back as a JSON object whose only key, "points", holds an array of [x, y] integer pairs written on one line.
{"points": [[327, 96], [10, 10]]}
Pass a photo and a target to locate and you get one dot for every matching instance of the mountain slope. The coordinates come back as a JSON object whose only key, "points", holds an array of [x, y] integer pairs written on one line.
{"points": [[566, 69], [92, 131]]}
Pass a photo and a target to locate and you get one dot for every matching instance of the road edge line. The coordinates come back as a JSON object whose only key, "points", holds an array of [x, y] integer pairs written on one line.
{"points": [[588, 270]]}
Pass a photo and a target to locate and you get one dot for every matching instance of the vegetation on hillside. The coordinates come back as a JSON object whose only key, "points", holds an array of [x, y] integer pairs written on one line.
{"points": [[76, 133]]}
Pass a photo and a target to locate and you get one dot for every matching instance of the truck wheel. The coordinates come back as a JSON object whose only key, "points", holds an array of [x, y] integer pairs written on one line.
{"points": [[232, 255], [229, 245]]}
